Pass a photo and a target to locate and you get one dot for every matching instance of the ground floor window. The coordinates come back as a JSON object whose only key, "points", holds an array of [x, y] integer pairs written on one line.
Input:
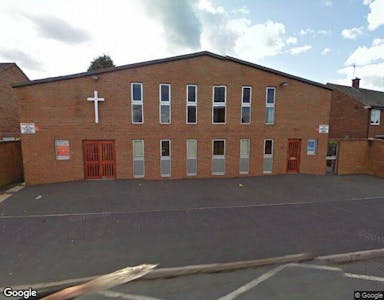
{"points": [[138, 158], [165, 158], [244, 156], [191, 157], [218, 157], [268, 156]]}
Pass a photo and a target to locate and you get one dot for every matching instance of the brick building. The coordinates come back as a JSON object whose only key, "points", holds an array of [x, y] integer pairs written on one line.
{"points": [[10, 73], [356, 115], [196, 115]]}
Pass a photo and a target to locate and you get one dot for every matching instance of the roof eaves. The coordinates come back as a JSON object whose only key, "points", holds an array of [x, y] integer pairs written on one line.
{"points": [[277, 72], [123, 67]]}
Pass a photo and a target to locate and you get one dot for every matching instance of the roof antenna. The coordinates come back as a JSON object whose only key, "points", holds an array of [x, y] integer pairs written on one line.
{"points": [[354, 70]]}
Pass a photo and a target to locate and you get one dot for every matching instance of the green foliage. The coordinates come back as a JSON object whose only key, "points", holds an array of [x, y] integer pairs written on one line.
{"points": [[101, 62]]}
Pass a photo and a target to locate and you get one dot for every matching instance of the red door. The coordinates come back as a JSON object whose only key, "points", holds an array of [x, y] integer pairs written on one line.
{"points": [[99, 159], [293, 164]]}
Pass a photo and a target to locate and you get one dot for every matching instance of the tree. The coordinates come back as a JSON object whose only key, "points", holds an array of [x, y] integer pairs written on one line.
{"points": [[101, 62]]}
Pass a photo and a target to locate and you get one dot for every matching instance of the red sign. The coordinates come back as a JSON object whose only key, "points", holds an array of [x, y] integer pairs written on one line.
{"points": [[62, 149]]}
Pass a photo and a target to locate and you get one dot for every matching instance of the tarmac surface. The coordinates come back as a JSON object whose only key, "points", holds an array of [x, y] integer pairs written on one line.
{"points": [[78, 229]]}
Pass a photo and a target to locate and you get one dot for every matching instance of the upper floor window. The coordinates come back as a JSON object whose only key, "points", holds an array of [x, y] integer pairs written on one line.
{"points": [[246, 98], [375, 116], [191, 104], [270, 100], [137, 103], [165, 103], [218, 104]]}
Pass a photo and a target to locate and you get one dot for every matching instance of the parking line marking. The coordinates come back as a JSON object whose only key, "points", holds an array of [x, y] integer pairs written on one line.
{"points": [[185, 209], [113, 294], [364, 277], [250, 285], [317, 267]]}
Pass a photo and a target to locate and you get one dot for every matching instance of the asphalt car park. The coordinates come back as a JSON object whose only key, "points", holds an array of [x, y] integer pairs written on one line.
{"points": [[79, 229]]}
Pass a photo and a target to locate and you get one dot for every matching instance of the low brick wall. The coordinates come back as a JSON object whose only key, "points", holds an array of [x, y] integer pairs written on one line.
{"points": [[11, 162], [361, 157], [376, 157]]}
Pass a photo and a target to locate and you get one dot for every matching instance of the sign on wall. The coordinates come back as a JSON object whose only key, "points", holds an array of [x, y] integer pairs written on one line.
{"points": [[27, 128], [324, 128], [311, 147], [62, 149]]}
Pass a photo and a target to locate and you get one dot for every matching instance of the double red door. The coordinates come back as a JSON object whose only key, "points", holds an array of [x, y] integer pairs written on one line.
{"points": [[293, 164], [99, 159]]}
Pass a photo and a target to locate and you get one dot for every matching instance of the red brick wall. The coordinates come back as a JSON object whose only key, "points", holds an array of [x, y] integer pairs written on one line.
{"points": [[348, 117], [11, 162], [361, 157], [376, 157], [9, 121], [61, 111]]}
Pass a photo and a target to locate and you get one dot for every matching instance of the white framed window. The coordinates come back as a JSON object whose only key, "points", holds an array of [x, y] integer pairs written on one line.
{"points": [[137, 103], [191, 157], [246, 99], [138, 158], [244, 156], [165, 103], [218, 157], [165, 158], [268, 156], [191, 98], [270, 99], [219, 100], [375, 116]]}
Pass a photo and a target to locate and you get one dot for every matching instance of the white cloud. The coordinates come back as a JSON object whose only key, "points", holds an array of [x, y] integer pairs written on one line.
{"points": [[314, 33], [369, 63], [372, 76], [366, 55], [367, 2], [375, 17], [328, 3], [239, 36], [261, 40], [291, 40], [242, 10], [352, 33], [299, 50], [325, 51]]}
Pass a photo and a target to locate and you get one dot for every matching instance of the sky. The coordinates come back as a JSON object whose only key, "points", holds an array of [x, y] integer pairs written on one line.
{"points": [[320, 40]]}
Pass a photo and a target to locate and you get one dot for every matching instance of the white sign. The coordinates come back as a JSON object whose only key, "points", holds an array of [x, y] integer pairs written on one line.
{"points": [[323, 128], [27, 128], [96, 100]]}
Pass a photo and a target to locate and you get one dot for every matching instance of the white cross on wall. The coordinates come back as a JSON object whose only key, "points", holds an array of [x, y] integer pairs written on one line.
{"points": [[96, 100]]}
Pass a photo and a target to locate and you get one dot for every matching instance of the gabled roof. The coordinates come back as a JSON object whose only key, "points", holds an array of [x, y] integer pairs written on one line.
{"points": [[170, 59], [364, 96], [5, 66]]}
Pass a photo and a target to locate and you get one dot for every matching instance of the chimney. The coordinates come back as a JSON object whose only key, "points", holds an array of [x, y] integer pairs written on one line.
{"points": [[356, 83]]}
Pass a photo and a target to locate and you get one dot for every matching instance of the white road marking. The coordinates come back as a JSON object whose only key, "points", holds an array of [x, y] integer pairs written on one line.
{"points": [[113, 294], [185, 209], [317, 267], [364, 277], [250, 285]]}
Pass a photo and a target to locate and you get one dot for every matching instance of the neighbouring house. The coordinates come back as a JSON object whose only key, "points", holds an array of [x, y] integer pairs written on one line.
{"points": [[195, 115], [10, 73], [357, 125], [11, 166]]}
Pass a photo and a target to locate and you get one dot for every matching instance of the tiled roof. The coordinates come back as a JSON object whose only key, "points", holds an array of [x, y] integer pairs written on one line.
{"points": [[367, 97]]}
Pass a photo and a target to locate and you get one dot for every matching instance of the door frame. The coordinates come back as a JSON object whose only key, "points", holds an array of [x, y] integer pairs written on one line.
{"points": [[298, 157], [114, 156]]}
